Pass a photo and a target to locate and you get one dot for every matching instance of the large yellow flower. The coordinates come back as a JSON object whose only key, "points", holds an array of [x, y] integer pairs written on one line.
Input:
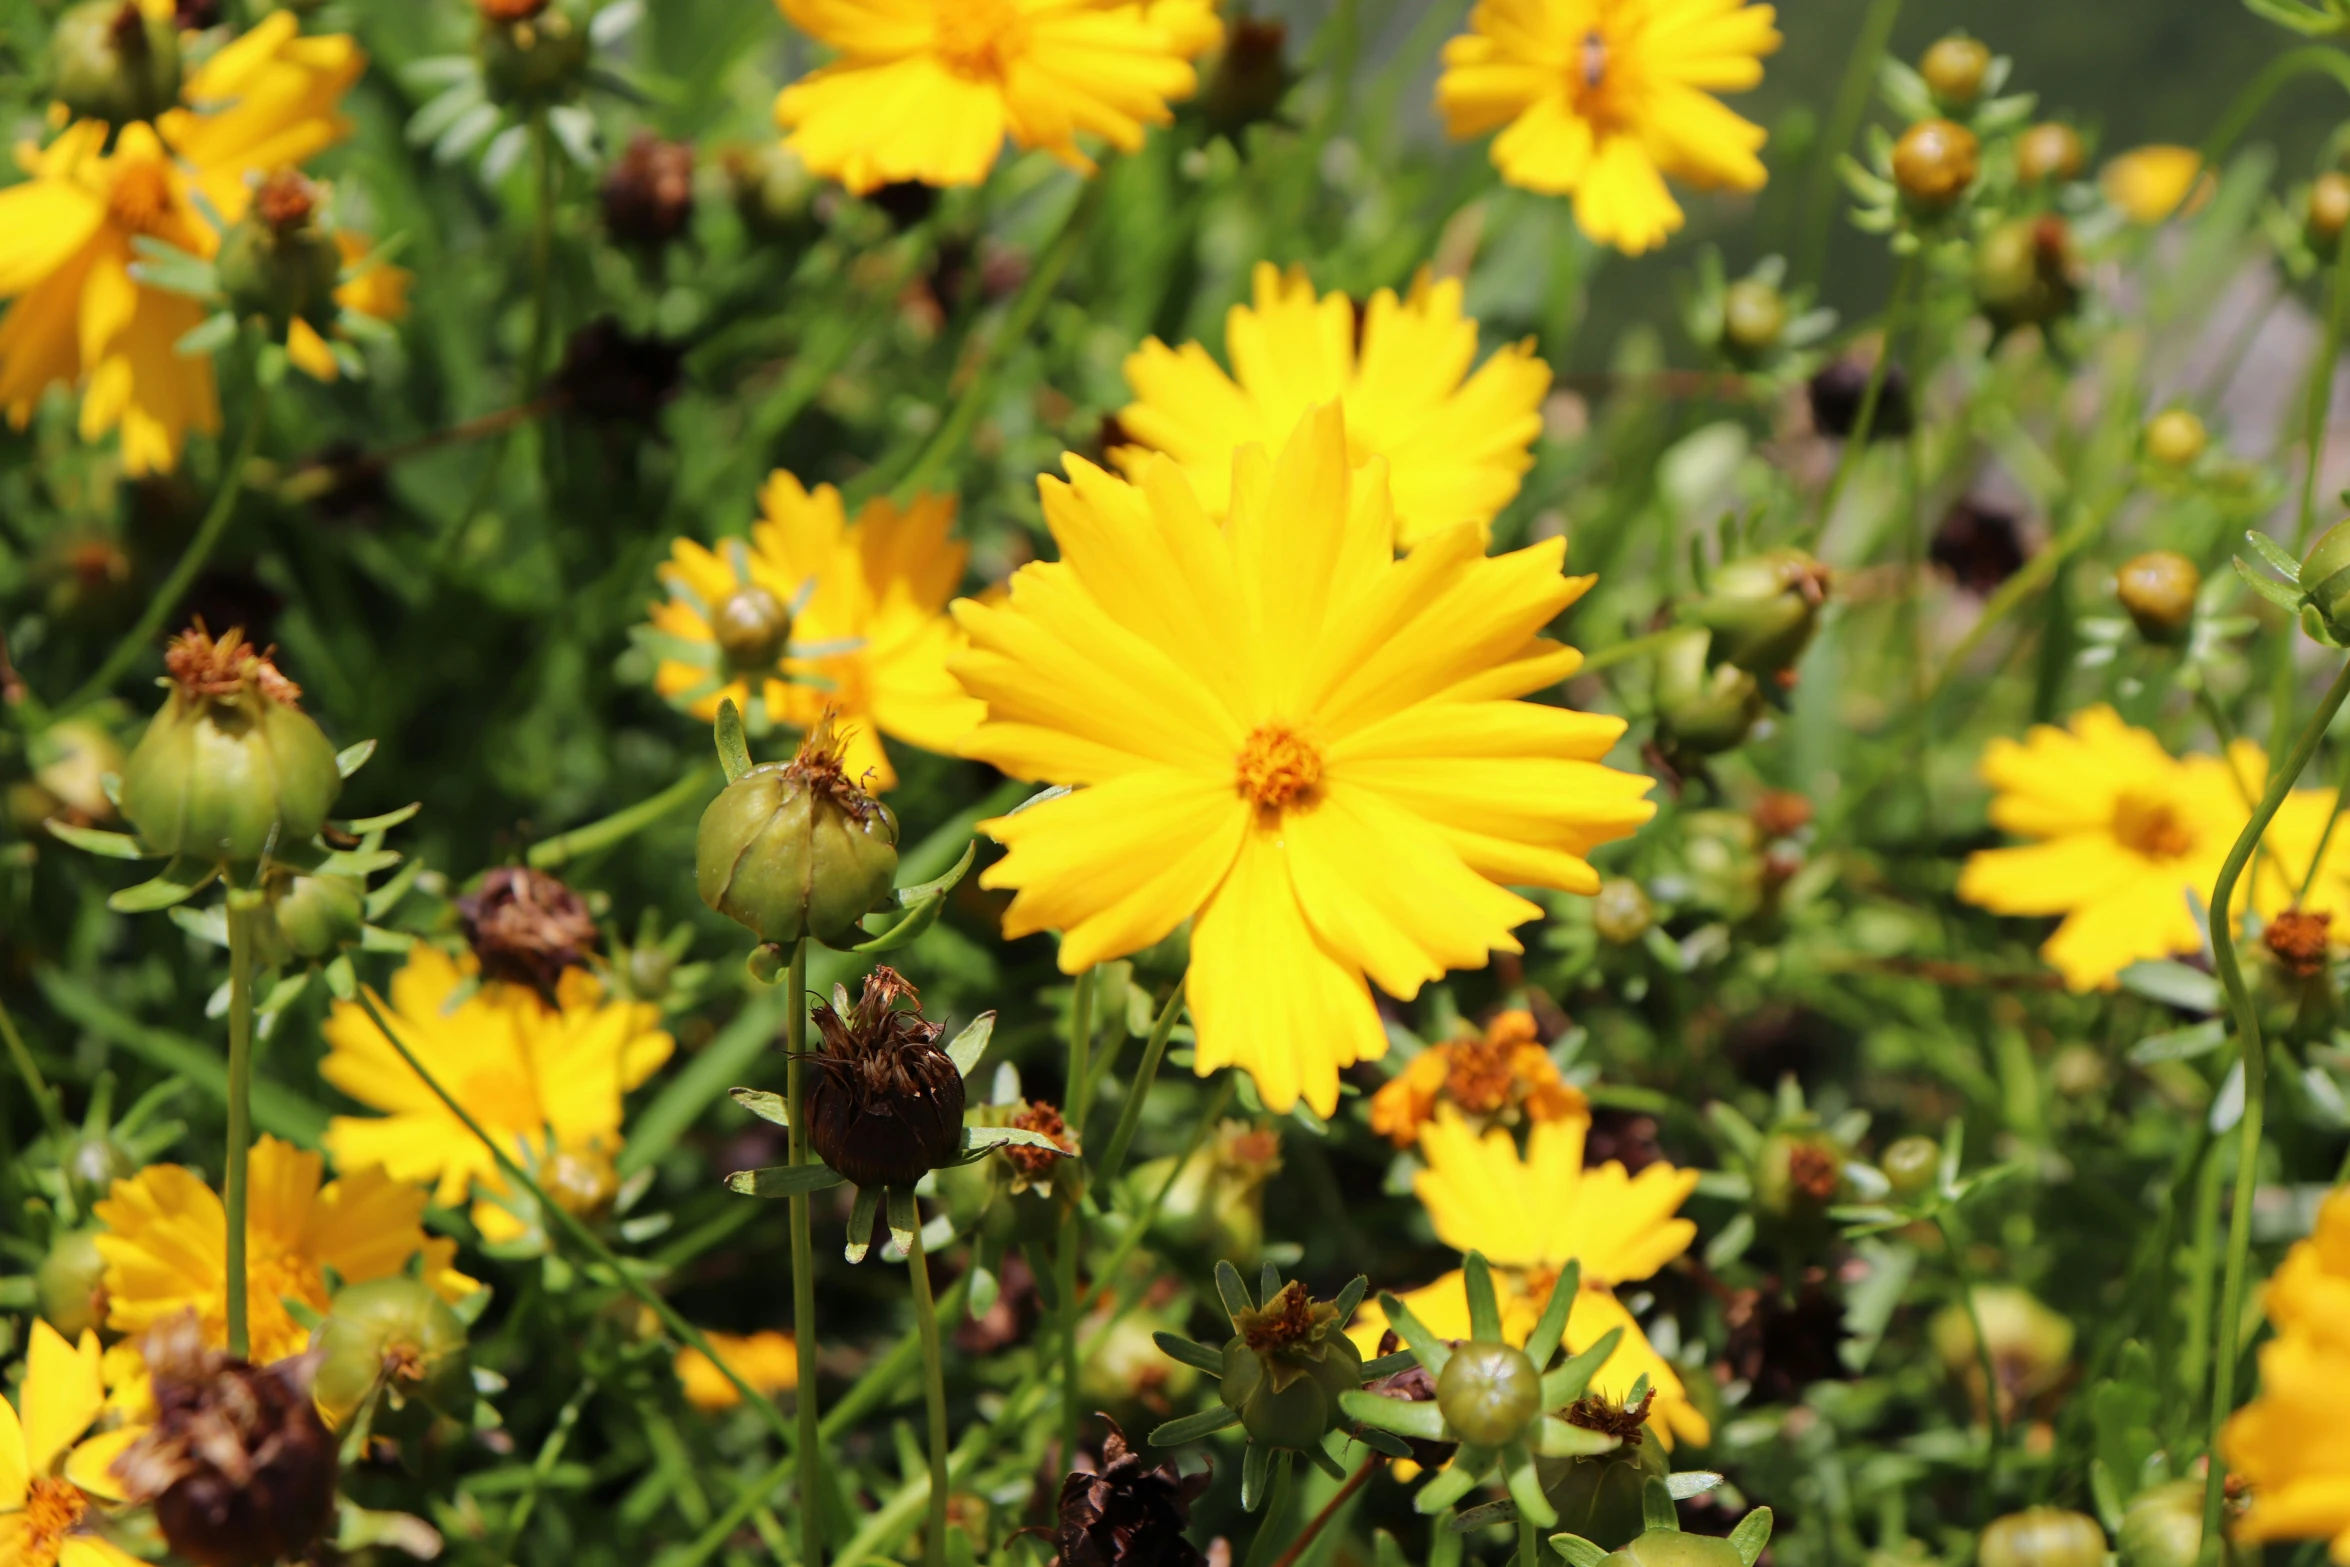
{"points": [[1283, 733], [166, 1244], [80, 319], [547, 1079], [2128, 836], [861, 603], [1533, 1216], [928, 89], [1456, 444], [50, 1482], [2292, 1443], [1604, 98]]}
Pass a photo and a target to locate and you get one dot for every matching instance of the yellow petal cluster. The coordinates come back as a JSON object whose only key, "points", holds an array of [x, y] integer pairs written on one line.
{"points": [[1310, 749], [873, 619], [2129, 841], [2151, 184], [544, 1079], [166, 1244], [928, 90], [1502, 1076], [1604, 99], [52, 1482], [1456, 443], [769, 1361], [2291, 1442]]}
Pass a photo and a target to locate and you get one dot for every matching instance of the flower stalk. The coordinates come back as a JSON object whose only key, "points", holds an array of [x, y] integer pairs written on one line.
{"points": [[1865, 424], [803, 1258], [1071, 1237], [934, 1396], [242, 908]]}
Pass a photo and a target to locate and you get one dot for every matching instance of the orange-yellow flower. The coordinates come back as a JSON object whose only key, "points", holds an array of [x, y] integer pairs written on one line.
{"points": [[1501, 1077]]}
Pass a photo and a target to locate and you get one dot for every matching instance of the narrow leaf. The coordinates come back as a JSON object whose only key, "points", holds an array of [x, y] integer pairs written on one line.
{"points": [[1525, 1485], [1751, 1535], [734, 751], [1192, 1427], [1176, 1347], [1426, 1348], [1556, 1438], [1656, 1505], [1543, 1342], [1233, 1291], [1484, 1306], [764, 1105], [353, 757], [968, 1046], [1403, 1416], [109, 845], [1454, 1481], [1564, 1384], [181, 880], [1578, 1551], [784, 1180]]}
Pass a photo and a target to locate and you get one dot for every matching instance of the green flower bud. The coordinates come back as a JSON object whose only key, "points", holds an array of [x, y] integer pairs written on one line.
{"points": [[2175, 438], [1704, 711], [314, 917], [1621, 913], [1753, 316], [94, 1162], [1216, 1208], [397, 1334], [2026, 274], [752, 628], [532, 54], [1488, 1392], [109, 60], [794, 849], [2325, 578], [2030, 1344], [2158, 589], [1674, 1548], [2049, 151], [1763, 609], [2163, 1527], [1913, 1165], [1285, 1366], [1796, 1176], [1599, 1498], [231, 767], [1955, 69], [2043, 1537], [71, 1283], [278, 264]]}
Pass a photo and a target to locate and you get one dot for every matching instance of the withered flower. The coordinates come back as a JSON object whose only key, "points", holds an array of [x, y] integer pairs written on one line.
{"points": [[1033, 1167], [1126, 1514], [1783, 1346], [527, 927], [886, 1105], [649, 195], [610, 375], [238, 1466], [2297, 939]]}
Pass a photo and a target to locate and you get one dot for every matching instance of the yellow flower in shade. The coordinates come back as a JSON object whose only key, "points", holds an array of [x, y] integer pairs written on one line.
{"points": [[815, 612], [2128, 835], [80, 319], [1602, 99], [1532, 1216], [52, 1484], [1456, 444], [2291, 1442], [928, 89], [1502, 1076], [768, 1361], [1283, 733], [166, 1244], [2151, 184]]}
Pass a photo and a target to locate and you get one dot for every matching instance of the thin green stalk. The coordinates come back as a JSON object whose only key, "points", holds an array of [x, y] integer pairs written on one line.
{"points": [[1855, 444], [1080, 1050], [1335, 1506], [934, 1399], [550, 1454], [242, 907], [1995, 1434], [174, 588], [1071, 1240], [1852, 102], [1276, 1503], [2326, 838], [2225, 733], [542, 255], [624, 824], [809, 1439], [2254, 1055], [2202, 1283], [1529, 1549], [1617, 653], [1154, 1049], [52, 1114]]}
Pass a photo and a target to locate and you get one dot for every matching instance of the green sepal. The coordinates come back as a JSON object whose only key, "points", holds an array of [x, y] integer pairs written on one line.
{"points": [[968, 1046], [1389, 1365], [1751, 1535], [1484, 1306], [1176, 1347], [1383, 1442], [734, 751], [181, 880], [1324, 1462], [1557, 1438], [764, 1105], [923, 903], [2275, 592], [1656, 1505], [784, 1180], [1562, 1385], [1192, 1427], [1525, 1486], [1256, 1474], [91, 840], [1405, 1417], [1578, 1551], [1454, 1481], [1232, 1291], [1427, 1349], [902, 1216], [353, 757], [1543, 1342], [981, 1139], [861, 1216], [384, 823]]}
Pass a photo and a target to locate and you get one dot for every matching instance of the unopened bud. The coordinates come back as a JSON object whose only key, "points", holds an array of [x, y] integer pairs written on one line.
{"points": [[71, 1284], [311, 918], [1285, 1366], [1913, 1165], [2325, 579], [2031, 1345], [2158, 589], [109, 60], [649, 194], [2049, 152], [527, 928], [1488, 1392], [1621, 913], [1762, 609], [1797, 1175], [396, 1334], [2175, 438], [1955, 68], [752, 628], [1599, 1497], [2026, 273], [2163, 1527], [1934, 163], [277, 263], [773, 191], [2042, 1537], [1754, 314], [793, 849], [2329, 209], [1703, 710]]}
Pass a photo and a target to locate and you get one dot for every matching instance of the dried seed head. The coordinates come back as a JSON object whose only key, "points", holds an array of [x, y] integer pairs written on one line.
{"points": [[527, 927], [286, 200], [1125, 1513], [886, 1105], [649, 195], [203, 666], [2297, 939]]}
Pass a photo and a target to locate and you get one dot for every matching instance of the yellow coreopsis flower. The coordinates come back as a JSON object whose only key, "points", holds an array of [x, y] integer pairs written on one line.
{"points": [[817, 612], [1532, 1216], [1308, 748], [928, 90], [80, 319], [2131, 841], [768, 1361], [1602, 99], [2291, 1442], [2150, 184], [166, 1244], [51, 1482], [549, 1080], [1501, 1076], [1456, 444]]}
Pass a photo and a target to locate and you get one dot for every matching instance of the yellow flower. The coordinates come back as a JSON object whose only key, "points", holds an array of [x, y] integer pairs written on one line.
{"points": [[549, 1080], [928, 89], [381, 291], [861, 604], [79, 319], [1533, 1216], [1283, 733], [1503, 1076], [768, 1361], [166, 1244], [1604, 98], [49, 1485], [1456, 444], [2291, 1442], [2149, 184], [2128, 835]]}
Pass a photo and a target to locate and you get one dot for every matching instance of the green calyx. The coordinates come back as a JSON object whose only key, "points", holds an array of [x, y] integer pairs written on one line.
{"points": [[399, 1336], [1661, 1542], [2325, 581], [277, 264], [2047, 1537], [70, 1283], [1598, 1497], [110, 60], [532, 60], [793, 849], [311, 918], [1763, 609], [1286, 1365], [1704, 707]]}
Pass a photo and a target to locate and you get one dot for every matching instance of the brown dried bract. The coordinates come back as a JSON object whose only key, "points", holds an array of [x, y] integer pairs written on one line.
{"points": [[1045, 1120], [527, 927], [1597, 1412], [2298, 939], [205, 668], [649, 195], [1781, 812], [1127, 1514], [886, 1106]]}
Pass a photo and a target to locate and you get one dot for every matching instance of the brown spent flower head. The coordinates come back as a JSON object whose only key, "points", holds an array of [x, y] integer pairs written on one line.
{"points": [[287, 200], [1980, 544], [527, 927], [1126, 1514], [1503, 1073], [1033, 1166], [1814, 1171], [649, 195], [1598, 1412], [886, 1105], [204, 668], [1291, 1317], [1781, 813], [1783, 1346], [2297, 939], [238, 1465]]}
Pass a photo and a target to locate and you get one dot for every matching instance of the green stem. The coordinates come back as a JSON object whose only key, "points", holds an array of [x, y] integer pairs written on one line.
{"points": [[1617, 653], [1113, 1157], [2311, 60], [2326, 838], [1071, 1238], [2321, 396], [573, 1230], [2225, 732], [1080, 1051], [624, 824], [808, 1441], [542, 256], [1852, 102], [1337, 1504], [550, 1454], [1855, 444], [1142, 1222], [242, 907], [174, 588], [934, 1399], [2202, 1284], [2254, 1055], [52, 1114], [1995, 1434], [1529, 1549], [1276, 1503]]}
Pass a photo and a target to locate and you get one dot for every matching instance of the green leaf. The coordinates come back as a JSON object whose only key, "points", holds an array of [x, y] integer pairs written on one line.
{"points": [[1176, 1347], [1389, 1365], [1454, 1481], [358, 862], [764, 1105], [1405, 1417], [980, 1139], [214, 333], [1350, 1297], [1578, 1551], [384, 823], [969, 1045], [2174, 985], [109, 845], [181, 880], [1743, 1136], [734, 751], [1426, 1347], [1233, 1290], [209, 925], [1485, 1516], [1256, 1474], [2180, 1044], [1751, 1535], [784, 1180], [353, 757], [2268, 588], [1192, 1427], [1383, 1442], [1324, 1462]]}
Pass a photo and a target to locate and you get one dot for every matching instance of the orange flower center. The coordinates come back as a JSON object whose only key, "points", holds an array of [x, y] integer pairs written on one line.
{"points": [[1279, 769], [52, 1508], [141, 197], [978, 39], [2149, 826]]}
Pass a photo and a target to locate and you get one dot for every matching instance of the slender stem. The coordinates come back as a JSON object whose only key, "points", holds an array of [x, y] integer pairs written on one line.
{"points": [[242, 907], [1154, 1049], [2321, 396], [1619, 652], [550, 1454], [809, 1441], [1995, 1434], [2225, 732], [2202, 1284], [542, 256], [1852, 102], [52, 1114], [2326, 838], [623, 824], [1080, 1050], [168, 594], [2254, 1054], [1276, 1503], [1071, 1238], [307, 481], [1529, 1549], [1330, 1510], [1866, 422], [934, 1399]]}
